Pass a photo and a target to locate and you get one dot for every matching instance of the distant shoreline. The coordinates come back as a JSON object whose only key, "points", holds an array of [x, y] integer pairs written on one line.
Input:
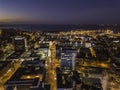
{"points": [[57, 28]]}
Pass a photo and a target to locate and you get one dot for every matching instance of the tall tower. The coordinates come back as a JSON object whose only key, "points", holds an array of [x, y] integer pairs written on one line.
{"points": [[20, 44], [68, 57]]}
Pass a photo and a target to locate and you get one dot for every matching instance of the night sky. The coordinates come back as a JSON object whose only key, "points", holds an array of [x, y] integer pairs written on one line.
{"points": [[60, 11]]}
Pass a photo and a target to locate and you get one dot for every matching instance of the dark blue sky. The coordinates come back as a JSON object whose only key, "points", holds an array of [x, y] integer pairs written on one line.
{"points": [[60, 11]]}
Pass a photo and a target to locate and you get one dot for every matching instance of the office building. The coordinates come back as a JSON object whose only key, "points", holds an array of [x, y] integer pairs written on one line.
{"points": [[68, 57]]}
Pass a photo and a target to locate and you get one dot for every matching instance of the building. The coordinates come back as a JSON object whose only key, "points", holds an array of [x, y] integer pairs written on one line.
{"points": [[30, 76], [15, 56], [26, 84], [87, 44], [64, 81], [91, 84], [20, 44], [43, 50], [68, 58]]}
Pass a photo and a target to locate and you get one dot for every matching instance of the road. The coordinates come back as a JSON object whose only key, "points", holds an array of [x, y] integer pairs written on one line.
{"points": [[51, 67], [9, 74]]}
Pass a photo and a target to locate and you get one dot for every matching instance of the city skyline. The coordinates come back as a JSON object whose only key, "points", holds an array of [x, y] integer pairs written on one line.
{"points": [[60, 12]]}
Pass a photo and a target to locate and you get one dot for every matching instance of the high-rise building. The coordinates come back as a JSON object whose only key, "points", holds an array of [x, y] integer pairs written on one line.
{"points": [[20, 44], [68, 57]]}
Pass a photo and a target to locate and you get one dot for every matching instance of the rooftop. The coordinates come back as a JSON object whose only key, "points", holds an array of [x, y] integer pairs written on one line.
{"points": [[63, 81], [15, 55]]}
